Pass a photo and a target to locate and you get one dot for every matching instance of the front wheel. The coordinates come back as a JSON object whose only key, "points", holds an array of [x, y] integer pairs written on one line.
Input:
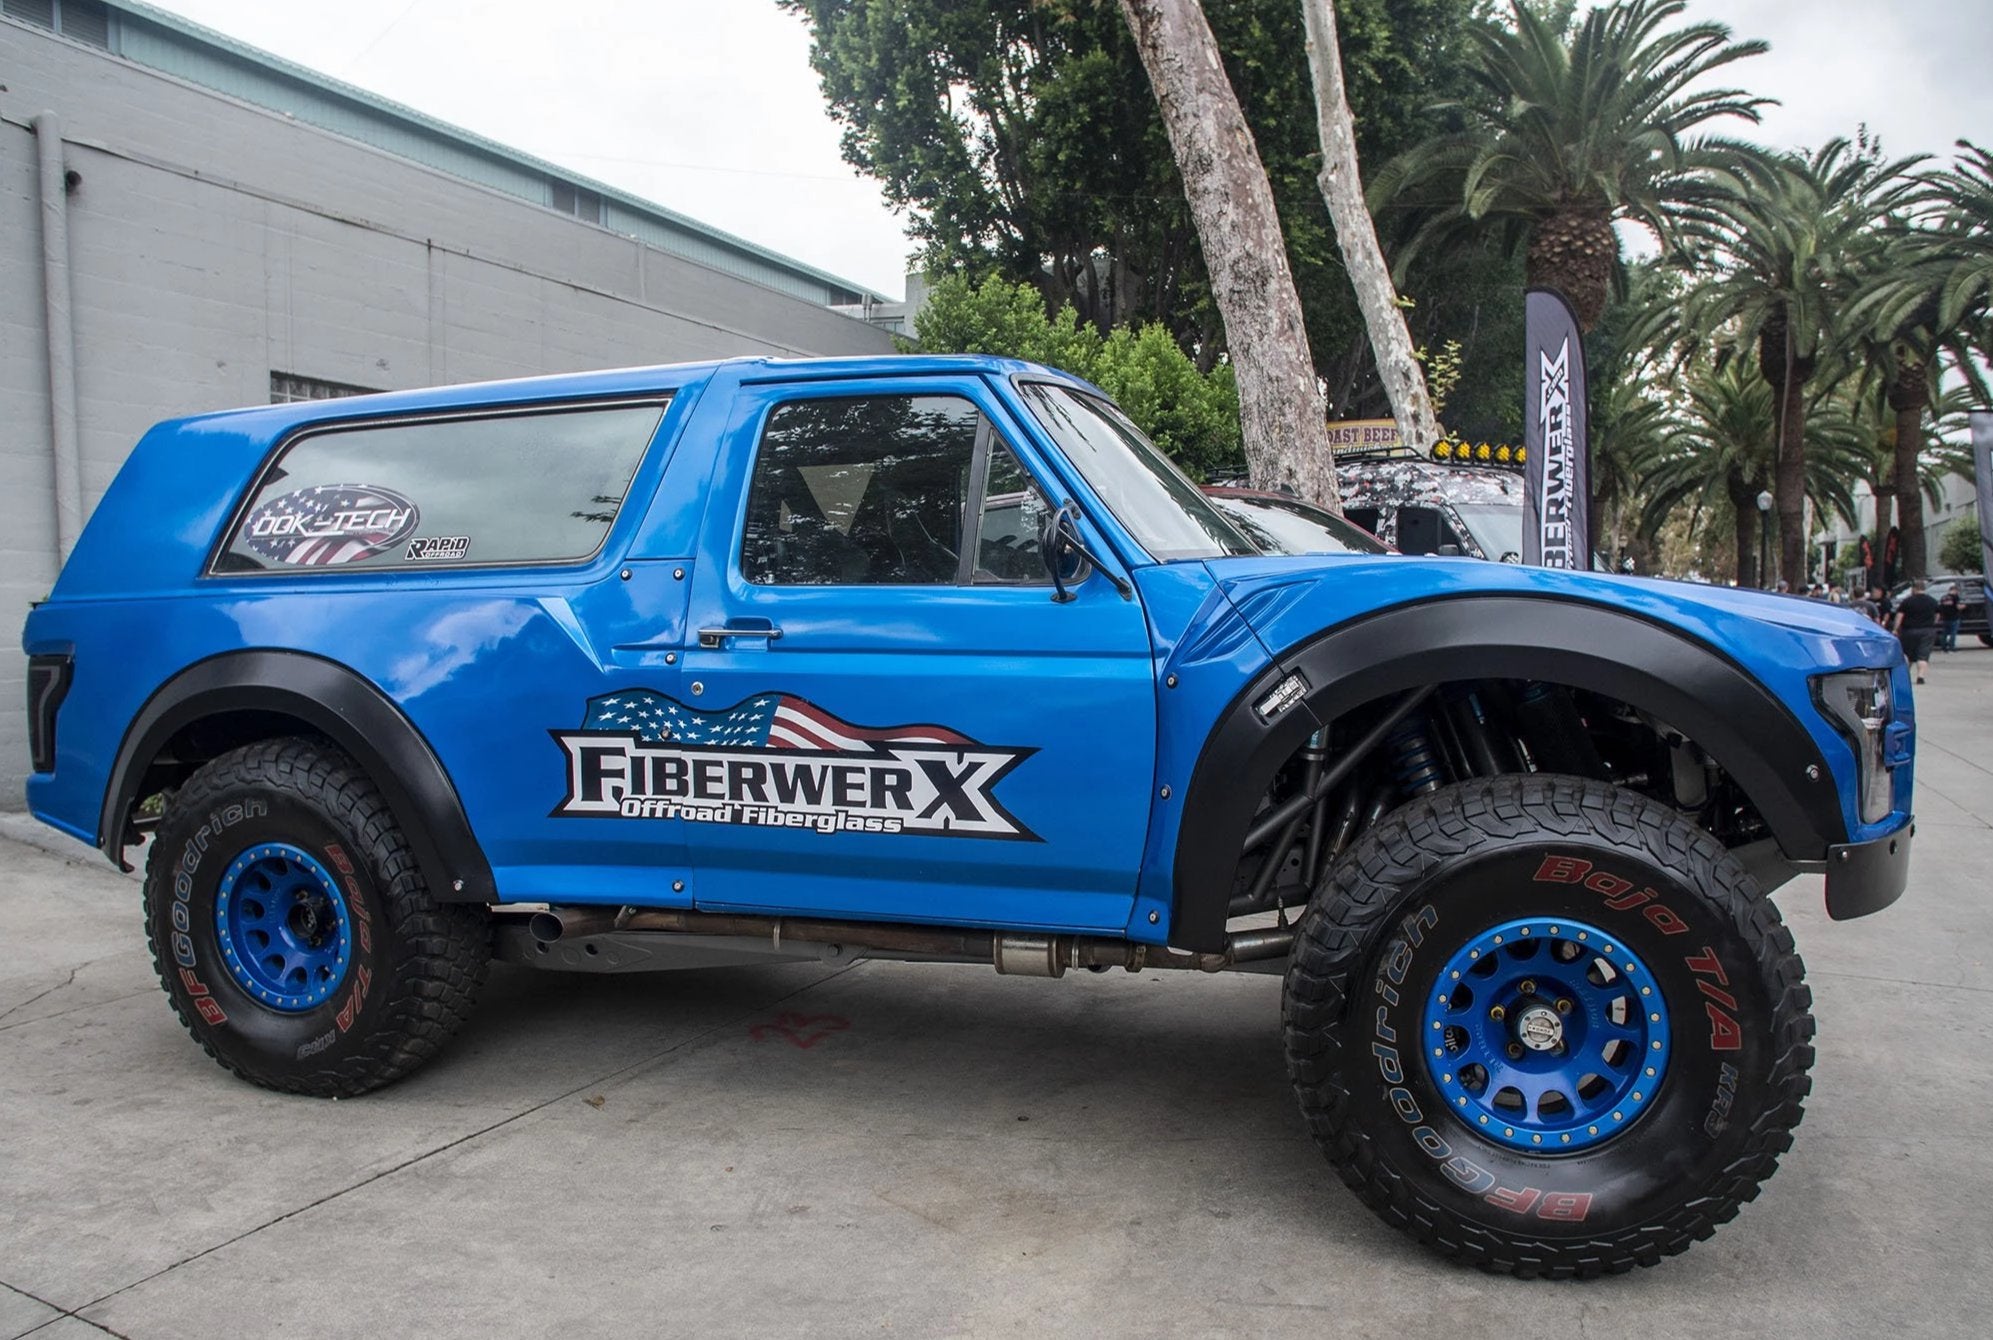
{"points": [[293, 931], [1547, 1026]]}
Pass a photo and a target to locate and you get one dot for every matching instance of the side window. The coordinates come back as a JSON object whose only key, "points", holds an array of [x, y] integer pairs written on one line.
{"points": [[860, 491], [1013, 511], [1420, 530], [521, 488], [873, 491]]}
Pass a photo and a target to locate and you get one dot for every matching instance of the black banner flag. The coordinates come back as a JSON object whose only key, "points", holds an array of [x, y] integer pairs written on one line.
{"points": [[1557, 496], [1982, 471]]}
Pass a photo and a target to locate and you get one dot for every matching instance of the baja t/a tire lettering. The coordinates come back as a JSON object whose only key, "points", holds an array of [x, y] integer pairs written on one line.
{"points": [[301, 947], [1502, 1022]]}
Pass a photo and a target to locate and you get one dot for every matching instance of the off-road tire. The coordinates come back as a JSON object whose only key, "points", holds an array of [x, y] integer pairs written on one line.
{"points": [[1369, 955], [415, 963]]}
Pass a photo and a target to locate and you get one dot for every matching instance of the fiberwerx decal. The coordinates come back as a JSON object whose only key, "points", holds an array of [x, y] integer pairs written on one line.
{"points": [[774, 760]]}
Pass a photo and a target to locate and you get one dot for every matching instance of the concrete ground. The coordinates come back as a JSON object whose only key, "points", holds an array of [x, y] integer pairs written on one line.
{"points": [[923, 1150]]}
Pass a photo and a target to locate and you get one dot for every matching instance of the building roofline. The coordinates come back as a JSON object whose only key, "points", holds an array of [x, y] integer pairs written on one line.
{"points": [[339, 88]]}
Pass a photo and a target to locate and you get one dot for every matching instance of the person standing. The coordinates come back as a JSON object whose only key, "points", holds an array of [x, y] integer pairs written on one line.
{"points": [[1950, 612], [1883, 606], [1916, 627]]}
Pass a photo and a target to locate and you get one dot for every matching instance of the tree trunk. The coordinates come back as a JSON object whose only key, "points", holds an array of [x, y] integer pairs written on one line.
{"points": [[1280, 404], [1574, 253], [1789, 486], [1356, 234], [1744, 504], [1884, 491], [1788, 374], [1906, 397]]}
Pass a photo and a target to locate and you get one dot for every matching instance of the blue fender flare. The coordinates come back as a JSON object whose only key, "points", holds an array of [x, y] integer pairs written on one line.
{"points": [[334, 702], [1745, 727]]}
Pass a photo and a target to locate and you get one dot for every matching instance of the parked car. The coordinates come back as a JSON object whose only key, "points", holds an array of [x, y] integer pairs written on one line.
{"points": [[1424, 507], [940, 659], [1279, 523]]}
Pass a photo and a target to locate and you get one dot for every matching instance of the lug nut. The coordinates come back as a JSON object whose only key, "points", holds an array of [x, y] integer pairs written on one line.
{"points": [[1563, 1007], [1558, 1049], [1515, 1051], [1528, 987], [1497, 1013]]}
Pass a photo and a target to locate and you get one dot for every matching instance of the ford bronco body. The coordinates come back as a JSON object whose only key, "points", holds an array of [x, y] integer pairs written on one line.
{"points": [[938, 659]]}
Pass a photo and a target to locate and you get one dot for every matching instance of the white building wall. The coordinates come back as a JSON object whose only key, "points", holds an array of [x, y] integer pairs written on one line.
{"points": [[212, 243]]}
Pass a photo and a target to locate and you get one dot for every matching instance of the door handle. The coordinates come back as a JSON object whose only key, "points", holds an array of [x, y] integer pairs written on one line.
{"points": [[713, 637]]}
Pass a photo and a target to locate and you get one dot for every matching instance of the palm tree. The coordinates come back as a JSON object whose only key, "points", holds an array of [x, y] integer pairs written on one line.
{"points": [[1794, 253], [1724, 451], [1960, 239], [1564, 138], [1883, 463], [1630, 428], [1927, 306]]}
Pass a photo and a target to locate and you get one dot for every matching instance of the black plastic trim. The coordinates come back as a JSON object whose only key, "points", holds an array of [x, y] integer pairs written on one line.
{"points": [[48, 685], [347, 710], [1865, 877], [1698, 691]]}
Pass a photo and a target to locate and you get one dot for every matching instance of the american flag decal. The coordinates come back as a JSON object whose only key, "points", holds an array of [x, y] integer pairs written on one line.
{"points": [[775, 760], [329, 524]]}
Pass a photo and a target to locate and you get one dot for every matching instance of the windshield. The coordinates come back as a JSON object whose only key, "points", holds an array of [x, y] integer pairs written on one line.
{"points": [[1160, 507], [1290, 526], [1496, 527]]}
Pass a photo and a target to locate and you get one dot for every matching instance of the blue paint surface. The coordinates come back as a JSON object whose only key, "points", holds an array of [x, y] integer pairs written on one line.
{"points": [[1071, 706]]}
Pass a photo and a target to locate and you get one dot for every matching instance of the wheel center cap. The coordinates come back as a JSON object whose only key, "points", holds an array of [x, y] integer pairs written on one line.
{"points": [[1539, 1029]]}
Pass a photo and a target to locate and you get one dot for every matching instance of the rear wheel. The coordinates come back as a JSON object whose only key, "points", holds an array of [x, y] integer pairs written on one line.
{"points": [[293, 931], [1547, 1026]]}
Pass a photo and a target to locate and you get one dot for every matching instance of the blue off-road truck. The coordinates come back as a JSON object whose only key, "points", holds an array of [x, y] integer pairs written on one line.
{"points": [[938, 659]]}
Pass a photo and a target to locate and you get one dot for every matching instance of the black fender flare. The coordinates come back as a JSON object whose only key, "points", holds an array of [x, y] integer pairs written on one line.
{"points": [[1701, 692], [346, 709]]}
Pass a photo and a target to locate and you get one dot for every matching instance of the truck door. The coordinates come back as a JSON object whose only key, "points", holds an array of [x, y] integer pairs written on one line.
{"points": [[885, 713]]}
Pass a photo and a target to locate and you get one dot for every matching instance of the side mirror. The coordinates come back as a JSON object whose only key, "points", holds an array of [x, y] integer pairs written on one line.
{"points": [[1449, 551], [1066, 556]]}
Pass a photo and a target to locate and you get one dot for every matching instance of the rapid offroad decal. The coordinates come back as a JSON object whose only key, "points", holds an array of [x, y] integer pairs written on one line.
{"points": [[329, 524], [437, 547], [774, 760]]}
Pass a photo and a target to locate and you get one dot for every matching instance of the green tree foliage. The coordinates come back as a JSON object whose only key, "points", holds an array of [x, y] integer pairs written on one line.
{"points": [[1192, 415], [1021, 139], [1957, 247], [1725, 453], [1564, 133], [1959, 550], [1794, 253]]}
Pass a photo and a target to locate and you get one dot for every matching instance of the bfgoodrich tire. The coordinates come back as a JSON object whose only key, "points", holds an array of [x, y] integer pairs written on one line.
{"points": [[293, 931], [1547, 1026]]}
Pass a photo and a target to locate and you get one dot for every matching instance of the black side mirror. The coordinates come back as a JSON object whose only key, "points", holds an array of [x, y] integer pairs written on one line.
{"points": [[1066, 556]]}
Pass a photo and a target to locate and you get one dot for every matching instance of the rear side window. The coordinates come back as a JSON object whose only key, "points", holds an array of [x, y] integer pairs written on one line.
{"points": [[521, 488]]}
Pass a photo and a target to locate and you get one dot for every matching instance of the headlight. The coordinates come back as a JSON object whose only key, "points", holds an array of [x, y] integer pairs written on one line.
{"points": [[1857, 702]]}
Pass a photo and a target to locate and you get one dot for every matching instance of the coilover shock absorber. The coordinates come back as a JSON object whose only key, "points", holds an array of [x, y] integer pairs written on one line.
{"points": [[1415, 765]]}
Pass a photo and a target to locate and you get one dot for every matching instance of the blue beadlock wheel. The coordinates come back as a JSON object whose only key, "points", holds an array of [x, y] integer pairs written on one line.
{"points": [[284, 930], [1546, 1034]]}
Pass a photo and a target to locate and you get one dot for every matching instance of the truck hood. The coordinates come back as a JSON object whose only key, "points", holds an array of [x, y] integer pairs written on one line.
{"points": [[1285, 600]]}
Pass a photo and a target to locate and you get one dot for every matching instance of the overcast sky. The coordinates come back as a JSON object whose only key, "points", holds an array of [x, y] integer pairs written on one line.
{"points": [[710, 108]]}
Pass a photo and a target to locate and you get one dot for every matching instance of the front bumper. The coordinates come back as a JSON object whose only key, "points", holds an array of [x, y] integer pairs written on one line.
{"points": [[1865, 877]]}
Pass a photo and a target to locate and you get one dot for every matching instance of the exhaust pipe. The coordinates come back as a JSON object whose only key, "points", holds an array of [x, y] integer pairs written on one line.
{"points": [[1010, 954]]}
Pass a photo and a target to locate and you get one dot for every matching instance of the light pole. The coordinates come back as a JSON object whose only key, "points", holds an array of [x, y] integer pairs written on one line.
{"points": [[1764, 541]]}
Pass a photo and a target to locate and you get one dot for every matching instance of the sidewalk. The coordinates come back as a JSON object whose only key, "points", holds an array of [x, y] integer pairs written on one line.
{"points": [[926, 1149]]}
